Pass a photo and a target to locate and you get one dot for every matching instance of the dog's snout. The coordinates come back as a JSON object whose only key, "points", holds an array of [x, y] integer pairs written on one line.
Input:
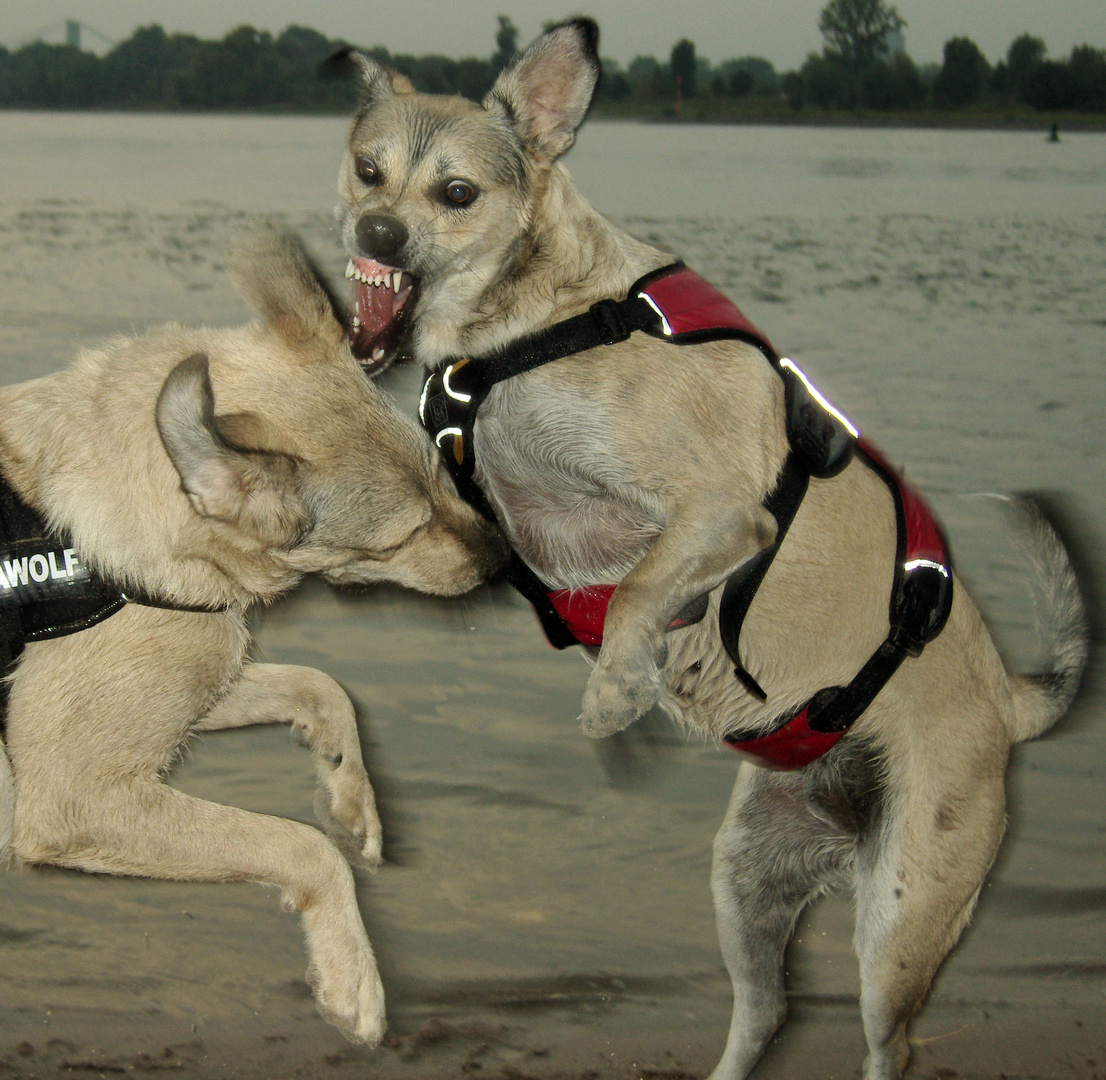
{"points": [[380, 236]]}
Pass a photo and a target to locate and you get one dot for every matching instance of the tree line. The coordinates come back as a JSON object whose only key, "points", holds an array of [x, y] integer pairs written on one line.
{"points": [[861, 67]]}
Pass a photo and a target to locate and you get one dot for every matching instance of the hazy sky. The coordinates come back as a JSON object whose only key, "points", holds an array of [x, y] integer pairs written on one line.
{"points": [[783, 31]]}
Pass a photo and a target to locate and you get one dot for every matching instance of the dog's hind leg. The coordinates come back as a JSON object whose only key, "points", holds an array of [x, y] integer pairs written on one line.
{"points": [[773, 854], [321, 715], [918, 877]]}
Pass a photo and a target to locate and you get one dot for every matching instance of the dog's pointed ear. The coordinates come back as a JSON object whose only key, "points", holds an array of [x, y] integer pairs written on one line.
{"points": [[376, 81], [547, 91], [279, 281], [251, 489]]}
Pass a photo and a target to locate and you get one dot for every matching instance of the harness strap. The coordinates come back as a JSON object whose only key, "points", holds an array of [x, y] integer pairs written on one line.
{"points": [[919, 607], [737, 597]]}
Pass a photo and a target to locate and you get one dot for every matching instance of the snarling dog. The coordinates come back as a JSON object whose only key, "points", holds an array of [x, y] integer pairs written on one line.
{"points": [[646, 451], [159, 487]]}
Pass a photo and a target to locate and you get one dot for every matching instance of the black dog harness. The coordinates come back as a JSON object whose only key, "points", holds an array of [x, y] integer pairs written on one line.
{"points": [[677, 306], [45, 590]]}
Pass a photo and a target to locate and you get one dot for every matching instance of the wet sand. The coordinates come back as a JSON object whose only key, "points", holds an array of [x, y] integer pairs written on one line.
{"points": [[545, 909]]}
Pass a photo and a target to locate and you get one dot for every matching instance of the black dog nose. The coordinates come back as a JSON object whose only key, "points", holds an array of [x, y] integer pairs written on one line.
{"points": [[380, 236]]}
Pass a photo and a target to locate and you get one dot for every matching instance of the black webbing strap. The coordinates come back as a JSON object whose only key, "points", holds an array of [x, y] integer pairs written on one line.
{"points": [[606, 322], [783, 504]]}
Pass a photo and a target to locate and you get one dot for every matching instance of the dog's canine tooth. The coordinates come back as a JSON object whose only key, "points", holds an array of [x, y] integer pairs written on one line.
{"points": [[351, 270], [397, 277]]}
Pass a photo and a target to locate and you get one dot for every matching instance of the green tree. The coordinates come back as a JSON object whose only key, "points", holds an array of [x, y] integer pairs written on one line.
{"points": [[892, 84], [1024, 55], [506, 44], [859, 32], [1088, 72], [1049, 85], [749, 74], [963, 74], [684, 68], [829, 82], [614, 85]]}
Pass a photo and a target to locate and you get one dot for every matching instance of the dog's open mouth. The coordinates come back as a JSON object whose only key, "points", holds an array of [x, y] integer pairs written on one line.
{"points": [[383, 299]]}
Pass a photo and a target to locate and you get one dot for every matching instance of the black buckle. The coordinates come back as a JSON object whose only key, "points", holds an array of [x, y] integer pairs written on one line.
{"points": [[818, 437], [922, 605], [609, 319]]}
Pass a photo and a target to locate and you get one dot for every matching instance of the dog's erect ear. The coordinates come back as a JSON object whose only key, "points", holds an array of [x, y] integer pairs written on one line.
{"points": [[376, 81], [548, 90], [251, 489], [279, 281]]}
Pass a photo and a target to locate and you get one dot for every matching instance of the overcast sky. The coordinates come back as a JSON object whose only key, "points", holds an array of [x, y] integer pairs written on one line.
{"points": [[783, 31]]}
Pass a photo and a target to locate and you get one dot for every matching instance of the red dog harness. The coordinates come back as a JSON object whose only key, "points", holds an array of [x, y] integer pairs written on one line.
{"points": [[678, 306]]}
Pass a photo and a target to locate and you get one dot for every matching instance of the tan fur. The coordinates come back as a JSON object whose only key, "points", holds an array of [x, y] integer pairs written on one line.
{"points": [[217, 467], [648, 464]]}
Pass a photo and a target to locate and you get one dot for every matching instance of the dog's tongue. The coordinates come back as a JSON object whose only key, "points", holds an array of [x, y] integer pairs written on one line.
{"points": [[377, 321]]}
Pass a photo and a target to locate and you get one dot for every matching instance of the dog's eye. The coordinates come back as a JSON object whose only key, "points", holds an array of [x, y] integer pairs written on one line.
{"points": [[367, 171], [459, 192]]}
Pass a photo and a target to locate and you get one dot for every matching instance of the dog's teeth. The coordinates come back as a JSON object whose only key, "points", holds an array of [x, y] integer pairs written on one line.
{"points": [[396, 278], [351, 270], [378, 354]]}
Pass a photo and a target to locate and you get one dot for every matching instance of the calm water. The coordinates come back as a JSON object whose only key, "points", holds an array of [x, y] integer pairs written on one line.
{"points": [[947, 289]]}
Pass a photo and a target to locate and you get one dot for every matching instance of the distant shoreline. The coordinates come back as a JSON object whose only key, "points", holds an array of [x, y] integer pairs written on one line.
{"points": [[975, 120], [694, 115]]}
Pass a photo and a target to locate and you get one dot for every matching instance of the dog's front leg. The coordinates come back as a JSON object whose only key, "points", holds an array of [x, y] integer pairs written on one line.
{"points": [[321, 715], [136, 825], [698, 549]]}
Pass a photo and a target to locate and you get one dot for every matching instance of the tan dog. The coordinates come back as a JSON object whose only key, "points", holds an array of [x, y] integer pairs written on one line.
{"points": [[648, 465], [204, 471]]}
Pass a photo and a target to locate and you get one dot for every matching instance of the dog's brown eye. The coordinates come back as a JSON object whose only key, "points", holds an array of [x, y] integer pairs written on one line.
{"points": [[367, 171], [459, 192]]}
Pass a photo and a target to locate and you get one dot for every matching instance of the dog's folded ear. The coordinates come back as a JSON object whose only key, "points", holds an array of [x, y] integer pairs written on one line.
{"points": [[548, 90], [253, 490], [376, 81], [279, 281]]}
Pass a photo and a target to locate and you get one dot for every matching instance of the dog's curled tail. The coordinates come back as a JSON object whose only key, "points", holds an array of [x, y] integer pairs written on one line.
{"points": [[1041, 699], [7, 805]]}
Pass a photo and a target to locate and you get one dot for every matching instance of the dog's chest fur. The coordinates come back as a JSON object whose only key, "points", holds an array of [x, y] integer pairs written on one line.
{"points": [[572, 506]]}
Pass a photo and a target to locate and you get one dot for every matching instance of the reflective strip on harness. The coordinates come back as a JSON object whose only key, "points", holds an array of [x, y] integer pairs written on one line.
{"points": [[694, 310]]}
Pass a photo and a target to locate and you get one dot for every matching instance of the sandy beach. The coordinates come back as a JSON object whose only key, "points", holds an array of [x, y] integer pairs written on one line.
{"points": [[544, 911]]}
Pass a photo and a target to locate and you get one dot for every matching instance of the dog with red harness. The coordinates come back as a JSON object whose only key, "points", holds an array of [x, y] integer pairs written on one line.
{"points": [[684, 503]]}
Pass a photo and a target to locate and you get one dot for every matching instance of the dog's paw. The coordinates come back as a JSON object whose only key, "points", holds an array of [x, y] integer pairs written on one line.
{"points": [[613, 700], [351, 806], [356, 1009], [346, 984]]}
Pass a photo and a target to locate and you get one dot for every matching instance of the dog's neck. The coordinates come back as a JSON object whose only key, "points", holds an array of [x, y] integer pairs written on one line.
{"points": [[568, 257]]}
